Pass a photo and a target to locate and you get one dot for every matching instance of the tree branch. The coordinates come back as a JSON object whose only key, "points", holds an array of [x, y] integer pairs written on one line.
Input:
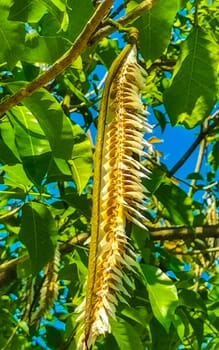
{"points": [[71, 55], [86, 37], [123, 21], [156, 234], [185, 233], [8, 269], [199, 161], [191, 149]]}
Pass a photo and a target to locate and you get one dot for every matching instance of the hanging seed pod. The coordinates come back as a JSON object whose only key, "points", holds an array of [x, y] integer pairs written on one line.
{"points": [[118, 192]]}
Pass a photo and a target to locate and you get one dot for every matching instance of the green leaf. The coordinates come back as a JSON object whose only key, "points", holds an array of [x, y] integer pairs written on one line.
{"points": [[79, 167], [16, 176], [78, 17], [54, 336], [177, 203], [58, 9], [126, 336], [192, 93], [157, 177], [194, 176], [38, 233], [12, 37], [82, 161], [155, 28], [191, 300], [80, 202], [138, 314], [58, 170], [8, 149], [27, 11], [161, 339], [56, 125], [32, 145], [213, 156], [44, 49], [162, 294], [10, 193], [74, 90], [30, 138], [197, 324]]}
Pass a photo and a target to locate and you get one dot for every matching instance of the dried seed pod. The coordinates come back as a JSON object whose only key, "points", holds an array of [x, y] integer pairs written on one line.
{"points": [[49, 289], [118, 193]]}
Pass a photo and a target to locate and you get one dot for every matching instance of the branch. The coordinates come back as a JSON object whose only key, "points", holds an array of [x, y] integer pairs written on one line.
{"points": [[156, 234], [191, 149], [185, 233], [123, 21], [71, 55], [199, 161], [197, 251], [8, 269]]}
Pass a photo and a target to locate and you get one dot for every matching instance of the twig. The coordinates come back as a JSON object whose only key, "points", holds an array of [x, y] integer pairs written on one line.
{"points": [[197, 251], [199, 161], [65, 248], [186, 155], [12, 263], [123, 21], [182, 232], [192, 148], [156, 234], [71, 55]]}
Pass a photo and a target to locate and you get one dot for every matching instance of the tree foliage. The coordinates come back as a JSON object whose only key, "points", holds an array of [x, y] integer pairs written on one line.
{"points": [[47, 139]]}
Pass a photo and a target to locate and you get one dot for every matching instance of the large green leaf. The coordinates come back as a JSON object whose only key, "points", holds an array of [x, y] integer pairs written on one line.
{"points": [[32, 145], [8, 149], [80, 202], [56, 125], [12, 37], [58, 9], [139, 314], [38, 233], [177, 203], [29, 136], [213, 156], [192, 93], [16, 176], [27, 11], [162, 294], [79, 168], [44, 49], [126, 336], [155, 28], [82, 160], [191, 300], [78, 17], [58, 170]]}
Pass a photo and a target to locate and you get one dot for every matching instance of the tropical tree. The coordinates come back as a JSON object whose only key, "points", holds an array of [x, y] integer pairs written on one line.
{"points": [[54, 59]]}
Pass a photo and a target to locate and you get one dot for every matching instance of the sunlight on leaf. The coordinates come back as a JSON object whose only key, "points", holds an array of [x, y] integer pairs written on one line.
{"points": [[162, 294], [155, 28], [193, 89], [126, 336]]}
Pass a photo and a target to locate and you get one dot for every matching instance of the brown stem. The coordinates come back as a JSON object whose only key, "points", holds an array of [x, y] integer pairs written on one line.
{"points": [[157, 234], [123, 21], [173, 233], [71, 55], [197, 251]]}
